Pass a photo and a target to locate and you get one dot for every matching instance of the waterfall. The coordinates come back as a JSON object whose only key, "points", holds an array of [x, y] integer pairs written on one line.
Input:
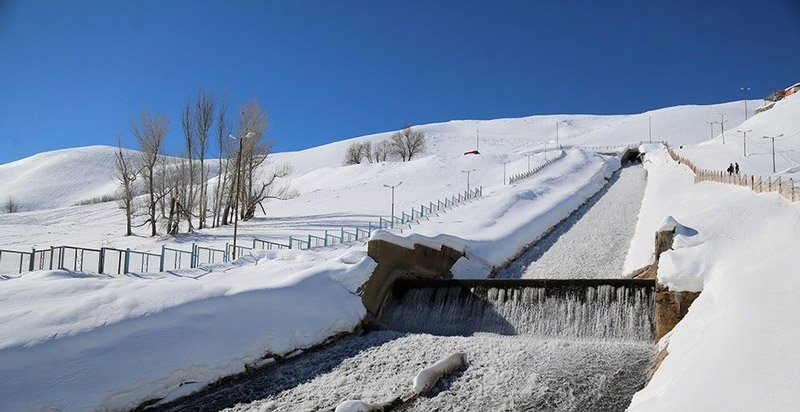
{"points": [[558, 310]]}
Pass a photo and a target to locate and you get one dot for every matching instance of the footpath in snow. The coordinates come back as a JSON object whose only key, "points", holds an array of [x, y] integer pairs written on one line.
{"points": [[594, 240], [736, 348]]}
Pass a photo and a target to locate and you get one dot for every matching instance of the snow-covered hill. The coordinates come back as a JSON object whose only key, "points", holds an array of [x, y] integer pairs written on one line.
{"points": [[63, 178]]}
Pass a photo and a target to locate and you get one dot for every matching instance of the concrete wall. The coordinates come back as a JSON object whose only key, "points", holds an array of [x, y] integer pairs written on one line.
{"points": [[399, 262]]}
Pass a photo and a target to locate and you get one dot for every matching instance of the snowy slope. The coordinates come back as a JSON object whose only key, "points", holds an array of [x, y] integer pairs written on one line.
{"points": [[59, 178], [735, 350], [63, 177], [783, 118]]}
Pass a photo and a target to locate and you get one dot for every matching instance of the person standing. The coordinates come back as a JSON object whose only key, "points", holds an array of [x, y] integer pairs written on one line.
{"points": [[736, 168]]}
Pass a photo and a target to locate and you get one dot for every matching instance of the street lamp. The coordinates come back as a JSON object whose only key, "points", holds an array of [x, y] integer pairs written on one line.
{"points": [[744, 140], [238, 186], [393, 187], [468, 172], [558, 146], [722, 126], [745, 90], [773, 148]]}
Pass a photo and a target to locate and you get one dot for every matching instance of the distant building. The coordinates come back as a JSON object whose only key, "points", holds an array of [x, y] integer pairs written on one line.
{"points": [[791, 90]]}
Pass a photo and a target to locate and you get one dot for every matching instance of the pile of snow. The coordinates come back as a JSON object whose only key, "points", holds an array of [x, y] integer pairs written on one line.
{"points": [[738, 336], [427, 378], [75, 342]]}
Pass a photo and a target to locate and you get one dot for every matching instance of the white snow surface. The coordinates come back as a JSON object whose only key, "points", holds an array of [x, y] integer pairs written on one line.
{"points": [[74, 342], [735, 349], [594, 240], [427, 378], [494, 229], [80, 342]]}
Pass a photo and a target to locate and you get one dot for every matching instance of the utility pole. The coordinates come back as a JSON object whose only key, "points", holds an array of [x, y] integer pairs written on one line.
{"points": [[468, 172], [773, 149], [545, 151], [745, 90], [393, 187], [529, 162], [744, 140], [557, 145], [504, 174], [238, 181], [650, 129], [477, 140], [712, 129], [722, 126]]}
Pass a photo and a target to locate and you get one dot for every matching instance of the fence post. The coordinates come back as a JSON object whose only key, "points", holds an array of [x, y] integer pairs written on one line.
{"points": [[309, 241], [164, 254], [769, 183], [254, 244], [290, 241], [369, 233], [102, 258], [33, 259], [127, 263]]}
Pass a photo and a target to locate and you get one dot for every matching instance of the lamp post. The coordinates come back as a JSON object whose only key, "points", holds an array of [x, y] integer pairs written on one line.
{"points": [[468, 172], [504, 174], [773, 148], [238, 181], [393, 187], [712, 129], [722, 126], [477, 140], [745, 90], [529, 162], [744, 140]]}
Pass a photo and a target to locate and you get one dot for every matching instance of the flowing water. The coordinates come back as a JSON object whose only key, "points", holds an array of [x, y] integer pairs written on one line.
{"points": [[563, 347], [530, 345]]}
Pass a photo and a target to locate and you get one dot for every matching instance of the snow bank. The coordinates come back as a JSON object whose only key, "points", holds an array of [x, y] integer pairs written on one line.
{"points": [[427, 378], [735, 349], [494, 229], [83, 343]]}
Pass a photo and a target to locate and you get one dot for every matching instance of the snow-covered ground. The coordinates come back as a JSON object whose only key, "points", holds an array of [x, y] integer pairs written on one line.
{"points": [[594, 240], [79, 342], [143, 336], [735, 349]]}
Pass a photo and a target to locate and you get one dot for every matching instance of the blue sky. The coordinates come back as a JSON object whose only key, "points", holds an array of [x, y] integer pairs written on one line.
{"points": [[73, 73]]}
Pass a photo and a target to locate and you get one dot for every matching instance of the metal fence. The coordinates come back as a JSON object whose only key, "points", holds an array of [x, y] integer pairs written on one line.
{"points": [[757, 184], [516, 178], [109, 260]]}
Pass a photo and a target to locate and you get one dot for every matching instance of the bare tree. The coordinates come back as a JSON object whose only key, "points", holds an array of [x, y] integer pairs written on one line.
{"points": [[254, 152], [11, 205], [189, 181], [150, 133], [126, 173], [354, 153], [203, 120], [366, 147], [380, 152], [407, 143], [223, 130]]}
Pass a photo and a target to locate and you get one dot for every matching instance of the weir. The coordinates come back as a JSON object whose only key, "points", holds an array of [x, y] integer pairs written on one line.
{"points": [[607, 309]]}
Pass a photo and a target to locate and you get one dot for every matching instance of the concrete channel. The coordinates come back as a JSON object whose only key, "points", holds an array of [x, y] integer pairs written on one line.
{"points": [[530, 344]]}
